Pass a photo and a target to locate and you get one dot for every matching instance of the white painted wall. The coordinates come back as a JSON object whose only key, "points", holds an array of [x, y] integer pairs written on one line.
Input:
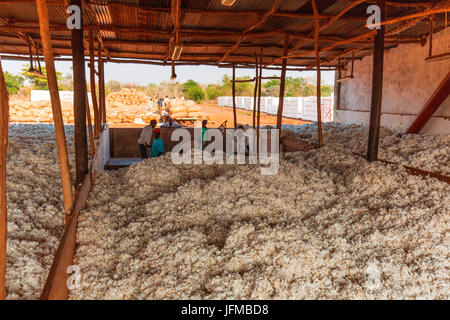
{"points": [[408, 82], [44, 95], [293, 107]]}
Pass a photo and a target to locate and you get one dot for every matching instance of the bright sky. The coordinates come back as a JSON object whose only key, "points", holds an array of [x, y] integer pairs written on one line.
{"points": [[143, 74]]}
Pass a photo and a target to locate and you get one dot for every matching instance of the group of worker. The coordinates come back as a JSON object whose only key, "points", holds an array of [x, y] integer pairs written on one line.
{"points": [[150, 139]]}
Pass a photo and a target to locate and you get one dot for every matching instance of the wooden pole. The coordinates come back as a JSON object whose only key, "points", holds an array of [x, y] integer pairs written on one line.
{"points": [[255, 91], [317, 51], [56, 105], [97, 114], [4, 126], [430, 50], [91, 133], [258, 121], [337, 90], [282, 83], [101, 84], [234, 97], [377, 88], [79, 101]]}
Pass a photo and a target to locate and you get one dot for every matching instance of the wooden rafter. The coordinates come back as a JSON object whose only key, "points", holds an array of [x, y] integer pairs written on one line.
{"points": [[363, 36], [438, 7], [260, 23], [325, 25]]}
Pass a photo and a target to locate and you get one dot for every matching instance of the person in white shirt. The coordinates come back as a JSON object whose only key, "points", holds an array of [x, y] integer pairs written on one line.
{"points": [[146, 138]]}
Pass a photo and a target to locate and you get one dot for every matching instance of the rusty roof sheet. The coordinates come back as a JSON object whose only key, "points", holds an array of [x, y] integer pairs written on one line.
{"points": [[143, 29]]}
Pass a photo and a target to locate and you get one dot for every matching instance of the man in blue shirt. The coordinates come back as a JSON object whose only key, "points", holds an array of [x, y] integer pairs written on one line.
{"points": [[160, 104], [158, 144]]}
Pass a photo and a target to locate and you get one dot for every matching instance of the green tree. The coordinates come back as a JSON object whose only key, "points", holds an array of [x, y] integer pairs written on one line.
{"points": [[13, 82], [66, 82], [152, 90], [193, 91], [213, 91], [326, 91], [112, 86], [294, 87], [39, 82], [242, 88]]}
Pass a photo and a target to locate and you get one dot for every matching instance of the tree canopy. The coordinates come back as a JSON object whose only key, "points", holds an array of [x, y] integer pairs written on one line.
{"points": [[193, 91], [39, 82], [13, 82]]}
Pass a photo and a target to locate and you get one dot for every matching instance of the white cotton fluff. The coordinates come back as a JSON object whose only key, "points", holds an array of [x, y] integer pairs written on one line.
{"points": [[35, 207], [329, 225]]}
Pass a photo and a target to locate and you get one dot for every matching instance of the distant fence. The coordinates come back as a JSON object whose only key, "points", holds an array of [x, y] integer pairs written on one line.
{"points": [[294, 107]]}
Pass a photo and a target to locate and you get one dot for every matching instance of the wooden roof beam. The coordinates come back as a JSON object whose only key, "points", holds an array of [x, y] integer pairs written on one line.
{"points": [[323, 26], [438, 7], [363, 36], [260, 23]]}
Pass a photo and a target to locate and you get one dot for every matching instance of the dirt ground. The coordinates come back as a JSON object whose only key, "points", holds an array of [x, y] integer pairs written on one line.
{"points": [[217, 115]]}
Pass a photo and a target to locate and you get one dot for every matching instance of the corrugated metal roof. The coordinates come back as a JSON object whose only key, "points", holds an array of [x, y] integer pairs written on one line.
{"points": [[134, 28]]}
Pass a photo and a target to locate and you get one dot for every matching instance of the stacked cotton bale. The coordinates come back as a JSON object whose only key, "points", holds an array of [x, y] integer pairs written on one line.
{"points": [[127, 106], [128, 97], [185, 109], [194, 111], [39, 111], [177, 108]]}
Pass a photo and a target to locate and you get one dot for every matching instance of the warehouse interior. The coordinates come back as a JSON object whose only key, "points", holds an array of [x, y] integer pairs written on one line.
{"points": [[391, 91]]}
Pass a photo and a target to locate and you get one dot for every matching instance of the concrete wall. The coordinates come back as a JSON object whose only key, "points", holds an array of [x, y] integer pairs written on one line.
{"points": [[408, 83]]}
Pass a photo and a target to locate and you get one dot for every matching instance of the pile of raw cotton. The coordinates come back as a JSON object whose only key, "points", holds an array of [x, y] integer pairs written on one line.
{"points": [[35, 207], [179, 108], [428, 152], [329, 225]]}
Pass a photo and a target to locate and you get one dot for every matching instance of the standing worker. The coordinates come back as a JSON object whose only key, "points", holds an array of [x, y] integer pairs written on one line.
{"points": [[150, 105], [204, 129], [160, 105], [145, 139], [158, 145]]}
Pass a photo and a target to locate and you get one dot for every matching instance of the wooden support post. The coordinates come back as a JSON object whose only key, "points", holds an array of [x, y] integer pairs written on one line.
{"points": [[436, 99], [316, 40], [56, 105], [4, 127], [234, 97], [97, 114], [258, 117], [377, 87], [88, 114], [79, 100], [430, 50], [282, 83], [101, 85], [337, 90], [255, 91]]}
